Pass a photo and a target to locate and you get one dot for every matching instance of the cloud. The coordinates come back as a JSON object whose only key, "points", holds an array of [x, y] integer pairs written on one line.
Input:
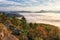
{"points": [[47, 18], [32, 5], [24, 2], [8, 3]]}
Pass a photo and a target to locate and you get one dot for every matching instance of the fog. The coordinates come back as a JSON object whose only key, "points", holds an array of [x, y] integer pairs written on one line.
{"points": [[47, 18]]}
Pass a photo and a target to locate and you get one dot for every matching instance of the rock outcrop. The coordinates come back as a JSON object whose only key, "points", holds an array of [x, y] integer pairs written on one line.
{"points": [[5, 34]]}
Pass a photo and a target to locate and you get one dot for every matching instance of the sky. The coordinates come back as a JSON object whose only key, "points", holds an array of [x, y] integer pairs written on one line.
{"points": [[34, 5], [29, 5]]}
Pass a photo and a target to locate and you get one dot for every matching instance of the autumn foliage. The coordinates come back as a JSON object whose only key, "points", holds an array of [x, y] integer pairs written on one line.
{"points": [[30, 31]]}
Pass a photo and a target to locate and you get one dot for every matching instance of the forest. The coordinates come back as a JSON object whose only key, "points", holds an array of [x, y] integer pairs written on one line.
{"points": [[29, 31]]}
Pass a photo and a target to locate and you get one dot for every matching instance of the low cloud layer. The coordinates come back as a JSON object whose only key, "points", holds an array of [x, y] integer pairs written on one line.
{"points": [[51, 17], [47, 18]]}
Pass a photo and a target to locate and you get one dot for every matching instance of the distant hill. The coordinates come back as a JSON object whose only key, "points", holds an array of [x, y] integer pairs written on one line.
{"points": [[41, 11], [49, 11], [12, 14]]}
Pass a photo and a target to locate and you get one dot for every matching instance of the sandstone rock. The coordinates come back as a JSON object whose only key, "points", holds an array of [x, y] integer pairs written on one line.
{"points": [[5, 34]]}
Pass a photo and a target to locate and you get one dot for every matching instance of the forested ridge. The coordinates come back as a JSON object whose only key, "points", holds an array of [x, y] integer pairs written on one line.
{"points": [[23, 30]]}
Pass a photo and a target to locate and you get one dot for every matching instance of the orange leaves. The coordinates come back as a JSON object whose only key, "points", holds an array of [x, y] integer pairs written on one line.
{"points": [[41, 29]]}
